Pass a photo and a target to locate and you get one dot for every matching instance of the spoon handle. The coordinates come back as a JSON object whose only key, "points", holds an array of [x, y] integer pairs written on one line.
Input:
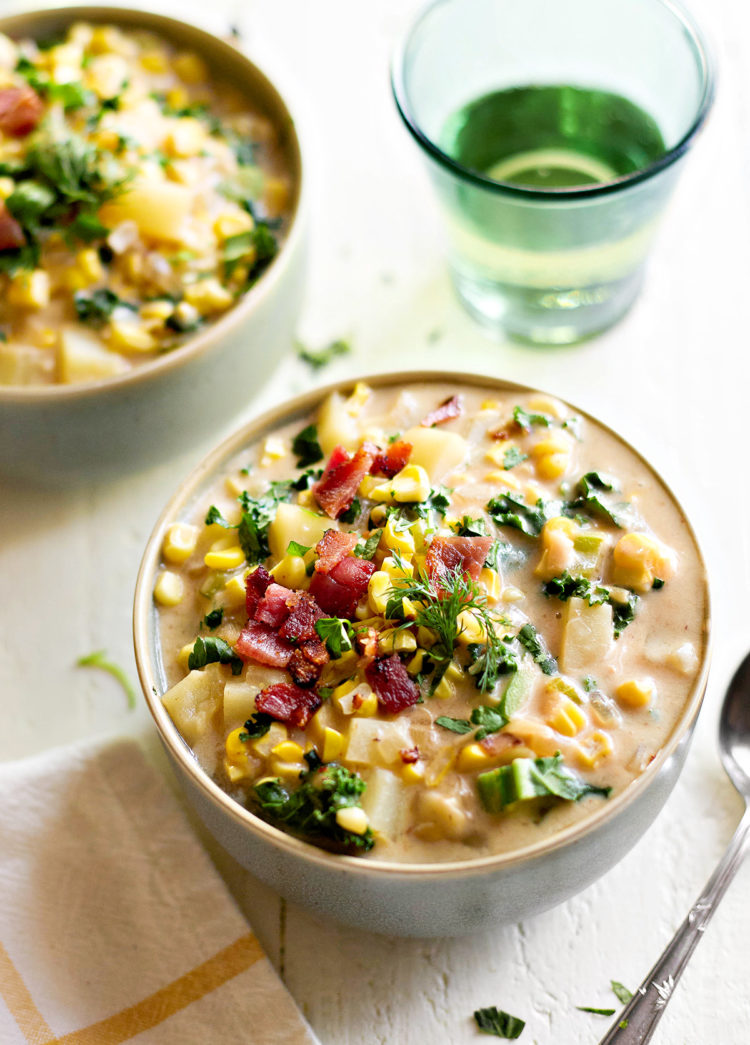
{"points": [[637, 1021]]}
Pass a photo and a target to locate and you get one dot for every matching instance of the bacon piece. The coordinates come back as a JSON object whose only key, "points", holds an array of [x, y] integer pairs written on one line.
{"points": [[303, 671], [448, 409], [300, 624], [259, 642], [272, 608], [11, 233], [20, 110], [409, 755], [395, 688], [454, 554], [497, 743], [367, 640], [255, 588], [288, 703], [316, 652], [332, 547], [389, 462], [338, 592], [337, 487]]}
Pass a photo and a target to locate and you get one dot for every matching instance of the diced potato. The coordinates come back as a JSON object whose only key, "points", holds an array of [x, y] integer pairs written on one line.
{"points": [[438, 452], [240, 694], [386, 802], [336, 425], [194, 702], [294, 523], [82, 357], [158, 209], [23, 365], [587, 635], [372, 741]]}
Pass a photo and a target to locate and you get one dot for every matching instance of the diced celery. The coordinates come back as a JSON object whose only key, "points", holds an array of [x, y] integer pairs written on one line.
{"points": [[518, 690]]}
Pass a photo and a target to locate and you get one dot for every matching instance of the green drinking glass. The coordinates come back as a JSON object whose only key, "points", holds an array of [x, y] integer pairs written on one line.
{"points": [[554, 132]]}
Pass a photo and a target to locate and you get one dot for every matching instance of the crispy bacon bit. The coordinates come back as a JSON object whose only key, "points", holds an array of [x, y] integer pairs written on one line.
{"points": [[367, 640], [272, 608], [303, 612], [501, 434], [337, 487], [451, 554], [303, 671], [332, 547], [11, 233], [338, 592], [409, 755], [448, 409], [389, 678], [288, 703], [389, 462], [20, 111], [316, 652], [259, 642], [255, 588]]}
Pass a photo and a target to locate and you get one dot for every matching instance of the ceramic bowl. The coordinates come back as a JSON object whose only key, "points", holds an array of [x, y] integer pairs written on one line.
{"points": [[63, 433], [402, 899]]}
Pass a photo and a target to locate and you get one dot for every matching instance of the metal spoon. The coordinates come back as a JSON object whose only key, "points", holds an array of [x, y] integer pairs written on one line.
{"points": [[637, 1021]]}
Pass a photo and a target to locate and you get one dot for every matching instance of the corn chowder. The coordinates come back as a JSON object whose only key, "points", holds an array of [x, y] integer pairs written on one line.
{"points": [[138, 202], [425, 624]]}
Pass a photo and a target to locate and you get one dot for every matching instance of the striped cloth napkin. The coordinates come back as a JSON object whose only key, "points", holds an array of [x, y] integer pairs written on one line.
{"points": [[114, 924]]}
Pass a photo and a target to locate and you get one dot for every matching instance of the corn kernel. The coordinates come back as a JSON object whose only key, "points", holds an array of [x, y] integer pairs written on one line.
{"points": [[221, 557], [234, 593], [566, 717], [470, 628], [638, 559], [208, 296], [426, 637], [7, 186], [377, 591], [29, 289], [594, 748], [127, 336], [177, 98], [306, 498], [548, 405], [333, 744], [490, 404], [413, 773], [471, 757], [353, 819], [179, 542], [358, 398], [496, 453], [186, 137], [190, 68], [265, 744], [401, 541], [505, 479], [394, 571], [512, 594], [234, 747], [368, 706], [552, 466], [445, 689], [415, 664], [291, 572], [274, 449], [396, 640], [288, 750], [169, 588], [90, 264], [287, 770], [411, 484], [276, 195], [554, 443], [636, 693], [155, 61], [492, 582], [156, 310], [184, 655], [232, 223]]}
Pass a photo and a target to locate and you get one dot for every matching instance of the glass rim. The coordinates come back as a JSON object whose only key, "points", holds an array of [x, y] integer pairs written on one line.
{"points": [[706, 65]]}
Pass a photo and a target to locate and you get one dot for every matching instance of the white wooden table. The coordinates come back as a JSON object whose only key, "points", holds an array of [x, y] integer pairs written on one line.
{"points": [[674, 377]]}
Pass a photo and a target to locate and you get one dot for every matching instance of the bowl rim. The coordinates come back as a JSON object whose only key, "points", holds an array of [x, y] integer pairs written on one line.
{"points": [[230, 323], [705, 61], [144, 617]]}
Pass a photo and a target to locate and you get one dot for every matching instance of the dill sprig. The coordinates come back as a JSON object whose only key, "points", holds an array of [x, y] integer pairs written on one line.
{"points": [[440, 602]]}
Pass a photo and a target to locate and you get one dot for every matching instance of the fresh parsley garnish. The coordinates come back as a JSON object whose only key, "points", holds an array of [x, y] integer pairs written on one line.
{"points": [[590, 496], [455, 725], [295, 548], [468, 527], [257, 726], [99, 659], [318, 358], [490, 661], [370, 546], [621, 992], [495, 1021], [212, 650], [306, 446], [97, 307], [310, 809], [596, 1012], [337, 634], [437, 500], [257, 515], [512, 457], [353, 512], [567, 586], [511, 510], [256, 248], [214, 618], [306, 480], [489, 719], [531, 640], [526, 420]]}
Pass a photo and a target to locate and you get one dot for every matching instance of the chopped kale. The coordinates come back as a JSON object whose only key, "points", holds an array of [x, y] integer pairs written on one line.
{"points": [[490, 662], [214, 618], [589, 497], [306, 480], [531, 640], [468, 527], [567, 586], [512, 457], [455, 725], [438, 500], [489, 719], [257, 726], [306, 446], [511, 510]]}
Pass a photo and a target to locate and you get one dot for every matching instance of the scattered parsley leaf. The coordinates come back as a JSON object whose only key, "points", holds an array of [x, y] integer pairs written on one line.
{"points": [[306, 446], [337, 634], [214, 618], [318, 358], [596, 1012], [512, 457], [99, 659], [97, 307], [212, 650], [527, 778], [526, 420], [215, 518], [437, 500], [489, 719], [257, 515], [257, 726], [368, 549], [495, 1021], [468, 527], [455, 725], [295, 548], [306, 480], [621, 992], [353, 512]]}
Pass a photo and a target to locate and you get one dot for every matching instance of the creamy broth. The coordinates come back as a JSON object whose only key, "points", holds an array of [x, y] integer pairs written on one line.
{"points": [[570, 698]]}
